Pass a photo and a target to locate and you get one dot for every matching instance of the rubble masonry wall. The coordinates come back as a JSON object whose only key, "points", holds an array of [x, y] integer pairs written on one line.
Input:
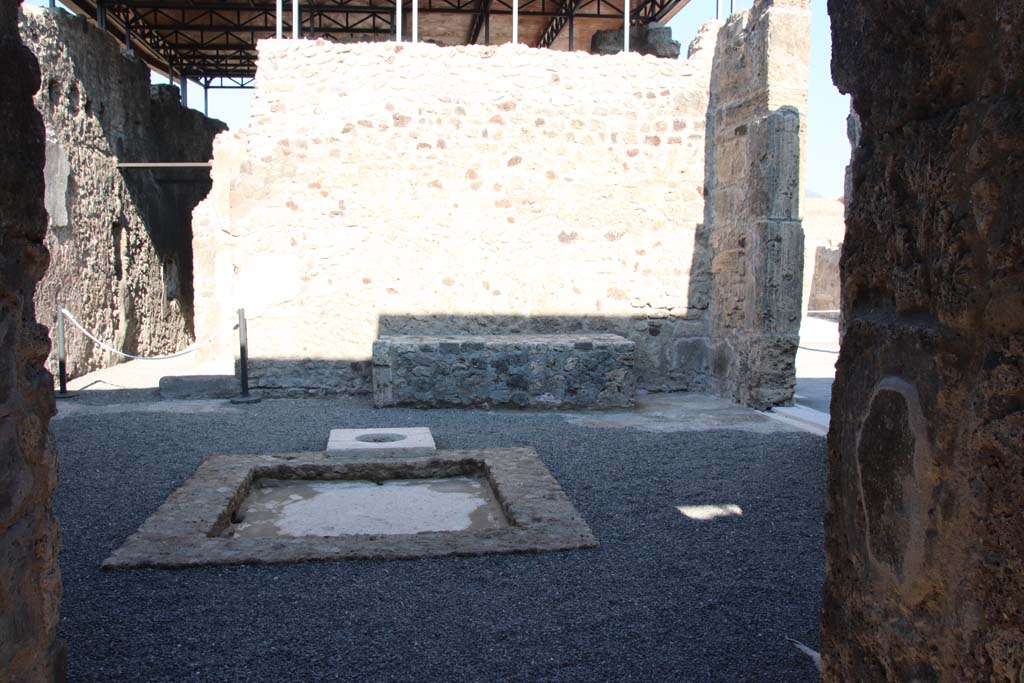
{"points": [[30, 584], [756, 133], [120, 239], [924, 541], [411, 189]]}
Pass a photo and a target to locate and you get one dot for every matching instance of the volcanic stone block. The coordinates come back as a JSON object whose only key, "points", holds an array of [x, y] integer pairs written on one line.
{"points": [[925, 522], [824, 294], [654, 39], [30, 583], [525, 371], [756, 134]]}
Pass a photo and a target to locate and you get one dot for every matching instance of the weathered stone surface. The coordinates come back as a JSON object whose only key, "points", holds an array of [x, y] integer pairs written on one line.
{"points": [[178, 387], [824, 290], [525, 371], [193, 526], [30, 583], [382, 441], [924, 541], [754, 161], [414, 189], [824, 224], [654, 39], [120, 240]]}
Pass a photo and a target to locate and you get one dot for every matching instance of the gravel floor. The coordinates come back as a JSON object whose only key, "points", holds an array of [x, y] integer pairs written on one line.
{"points": [[664, 598]]}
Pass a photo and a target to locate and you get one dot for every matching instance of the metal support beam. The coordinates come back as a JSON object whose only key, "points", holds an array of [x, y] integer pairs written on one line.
{"points": [[165, 164], [415, 21], [206, 98], [625, 26], [296, 24], [572, 32], [558, 22], [482, 19], [184, 91], [207, 40]]}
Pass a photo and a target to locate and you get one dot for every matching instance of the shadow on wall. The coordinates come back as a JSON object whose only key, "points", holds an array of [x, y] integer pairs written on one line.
{"points": [[156, 129], [671, 354], [120, 239]]}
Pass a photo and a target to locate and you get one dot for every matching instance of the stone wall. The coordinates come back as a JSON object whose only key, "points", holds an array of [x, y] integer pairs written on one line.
{"points": [[823, 291], [412, 189], [824, 225], [520, 370], [120, 239], [756, 135], [924, 541], [29, 538]]}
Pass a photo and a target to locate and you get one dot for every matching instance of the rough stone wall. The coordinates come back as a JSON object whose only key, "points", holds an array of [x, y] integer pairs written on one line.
{"points": [[651, 39], [120, 239], [824, 225], [412, 189], [522, 371], [755, 144], [925, 521], [823, 293], [29, 538]]}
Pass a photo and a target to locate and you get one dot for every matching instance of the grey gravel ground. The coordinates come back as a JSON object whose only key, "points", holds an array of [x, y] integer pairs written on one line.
{"points": [[664, 598]]}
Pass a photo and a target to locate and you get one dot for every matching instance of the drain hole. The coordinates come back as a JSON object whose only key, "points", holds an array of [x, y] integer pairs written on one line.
{"points": [[380, 438]]}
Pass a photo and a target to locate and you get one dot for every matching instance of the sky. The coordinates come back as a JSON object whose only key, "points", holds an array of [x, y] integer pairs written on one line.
{"points": [[828, 149]]}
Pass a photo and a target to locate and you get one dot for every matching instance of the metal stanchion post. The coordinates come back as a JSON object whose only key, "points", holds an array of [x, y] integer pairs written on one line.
{"points": [[62, 357], [243, 354]]}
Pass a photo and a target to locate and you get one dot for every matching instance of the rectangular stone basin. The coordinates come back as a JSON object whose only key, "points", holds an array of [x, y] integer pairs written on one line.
{"points": [[298, 507], [291, 507]]}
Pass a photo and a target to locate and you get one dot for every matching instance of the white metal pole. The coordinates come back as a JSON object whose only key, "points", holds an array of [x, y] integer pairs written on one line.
{"points": [[398, 21], [625, 25], [515, 21], [280, 11], [415, 21], [295, 19]]}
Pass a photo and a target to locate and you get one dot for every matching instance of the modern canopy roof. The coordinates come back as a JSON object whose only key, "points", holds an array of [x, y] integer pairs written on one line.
{"points": [[214, 41]]}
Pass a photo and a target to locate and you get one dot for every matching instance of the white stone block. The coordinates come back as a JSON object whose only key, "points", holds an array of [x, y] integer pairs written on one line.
{"points": [[403, 441]]}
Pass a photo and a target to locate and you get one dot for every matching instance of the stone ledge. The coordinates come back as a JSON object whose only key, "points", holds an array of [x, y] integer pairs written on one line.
{"points": [[526, 371], [187, 529]]}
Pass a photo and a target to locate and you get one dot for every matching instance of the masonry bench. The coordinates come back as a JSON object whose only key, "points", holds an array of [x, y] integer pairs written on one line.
{"points": [[519, 370]]}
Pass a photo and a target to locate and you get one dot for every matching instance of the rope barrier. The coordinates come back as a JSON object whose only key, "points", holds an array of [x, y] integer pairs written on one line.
{"points": [[103, 345], [807, 348]]}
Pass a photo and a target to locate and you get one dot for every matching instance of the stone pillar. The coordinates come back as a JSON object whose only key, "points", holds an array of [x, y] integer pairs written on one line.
{"points": [[755, 143], [29, 538], [925, 520]]}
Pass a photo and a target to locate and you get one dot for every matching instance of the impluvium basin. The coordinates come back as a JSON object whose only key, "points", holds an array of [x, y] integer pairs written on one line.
{"points": [[297, 507]]}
